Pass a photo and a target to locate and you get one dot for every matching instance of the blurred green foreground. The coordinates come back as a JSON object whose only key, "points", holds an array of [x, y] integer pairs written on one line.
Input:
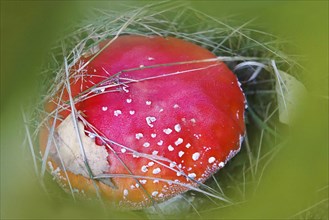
{"points": [[296, 180]]}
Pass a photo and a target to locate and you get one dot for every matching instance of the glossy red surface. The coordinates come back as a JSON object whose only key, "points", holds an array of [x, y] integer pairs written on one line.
{"points": [[179, 117]]}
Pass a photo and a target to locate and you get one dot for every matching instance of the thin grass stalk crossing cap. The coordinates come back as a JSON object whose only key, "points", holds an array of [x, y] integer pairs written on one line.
{"points": [[142, 120]]}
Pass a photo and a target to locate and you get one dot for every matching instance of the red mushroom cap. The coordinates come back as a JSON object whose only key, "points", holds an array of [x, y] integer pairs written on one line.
{"points": [[162, 120]]}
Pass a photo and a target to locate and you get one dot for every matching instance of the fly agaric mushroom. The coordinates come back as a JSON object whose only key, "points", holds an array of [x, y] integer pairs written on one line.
{"points": [[149, 117]]}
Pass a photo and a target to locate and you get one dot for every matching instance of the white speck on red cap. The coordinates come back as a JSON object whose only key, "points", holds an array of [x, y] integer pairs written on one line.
{"points": [[151, 163], [170, 148], [211, 159], [131, 112], [179, 141], [150, 120], [123, 150], [129, 100], [188, 145], [153, 135], [196, 156], [148, 102], [197, 136], [155, 152], [221, 164], [160, 142], [180, 153], [104, 108], [155, 193], [144, 169], [191, 175], [117, 112], [146, 144], [178, 128], [139, 136], [167, 131], [156, 171]]}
